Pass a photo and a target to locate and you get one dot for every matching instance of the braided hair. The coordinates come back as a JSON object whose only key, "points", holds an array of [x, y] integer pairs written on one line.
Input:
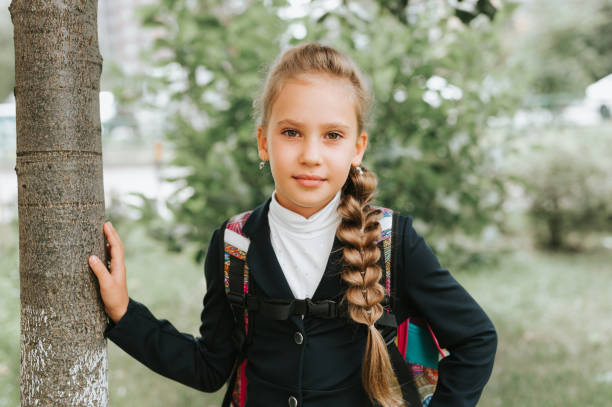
{"points": [[359, 231]]}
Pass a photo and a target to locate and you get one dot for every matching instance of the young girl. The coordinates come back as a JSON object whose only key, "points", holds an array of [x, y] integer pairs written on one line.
{"points": [[315, 237]]}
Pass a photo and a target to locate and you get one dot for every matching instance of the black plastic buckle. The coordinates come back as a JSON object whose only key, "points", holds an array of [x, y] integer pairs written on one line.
{"points": [[386, 301], [322, 309], [387, 326], [237, 299]]}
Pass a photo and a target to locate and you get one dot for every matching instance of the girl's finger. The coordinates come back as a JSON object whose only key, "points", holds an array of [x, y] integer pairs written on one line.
{"points": [[99, 269], [116, 247], [116, 264]]}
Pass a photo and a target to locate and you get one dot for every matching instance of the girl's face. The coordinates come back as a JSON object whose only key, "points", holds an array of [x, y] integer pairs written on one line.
{"points": [[311, 141]]}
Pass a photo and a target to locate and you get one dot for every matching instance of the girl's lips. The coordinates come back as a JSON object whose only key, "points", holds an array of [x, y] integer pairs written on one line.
{"points": [[309, 181]]}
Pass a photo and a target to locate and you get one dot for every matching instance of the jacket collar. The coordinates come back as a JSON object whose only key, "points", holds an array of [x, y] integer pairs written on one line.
{"points": [[266, 270]]}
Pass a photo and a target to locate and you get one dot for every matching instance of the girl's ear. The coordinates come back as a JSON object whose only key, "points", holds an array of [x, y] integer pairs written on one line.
{"points": [[360, 148], [262, 143]]}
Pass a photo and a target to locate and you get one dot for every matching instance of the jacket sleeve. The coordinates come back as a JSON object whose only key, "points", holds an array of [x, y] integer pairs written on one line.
{"points": [[459, 323], [203, 363]]}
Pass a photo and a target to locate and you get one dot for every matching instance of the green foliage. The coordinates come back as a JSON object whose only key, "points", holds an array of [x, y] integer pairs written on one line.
{"points": [[564, 54], [466, 11], [7, 56], [568, 185], [430, 156], [221, 57]]}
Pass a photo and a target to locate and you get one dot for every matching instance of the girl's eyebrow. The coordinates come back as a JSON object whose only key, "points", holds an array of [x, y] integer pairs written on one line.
{"points": [[289, 122]]}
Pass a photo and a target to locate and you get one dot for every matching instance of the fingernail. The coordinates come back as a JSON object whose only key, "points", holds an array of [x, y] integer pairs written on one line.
{"points": [[93, 259]]}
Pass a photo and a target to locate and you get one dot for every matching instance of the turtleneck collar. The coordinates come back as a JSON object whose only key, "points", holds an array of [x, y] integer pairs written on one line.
{"points": [[294, 223]]}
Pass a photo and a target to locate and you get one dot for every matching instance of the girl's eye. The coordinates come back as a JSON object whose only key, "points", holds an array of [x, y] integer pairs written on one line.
{"points": [[333, 135], [290, 132]]}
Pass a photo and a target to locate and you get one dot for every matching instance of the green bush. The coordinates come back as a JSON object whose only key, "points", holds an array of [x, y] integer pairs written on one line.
{"points": [[568, 185]]}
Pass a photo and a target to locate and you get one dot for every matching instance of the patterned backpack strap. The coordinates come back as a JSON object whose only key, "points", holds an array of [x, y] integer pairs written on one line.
{"points": [[235, 270], [387, 324], [236, 281], [384, 243]]}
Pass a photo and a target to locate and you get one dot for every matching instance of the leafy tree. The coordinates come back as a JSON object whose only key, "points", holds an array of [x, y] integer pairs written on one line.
{"points": [[560, 56], [567, 203], [221, 56], [435, 80], [466, 11]]}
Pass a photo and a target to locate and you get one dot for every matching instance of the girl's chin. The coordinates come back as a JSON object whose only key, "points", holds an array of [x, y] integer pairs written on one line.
{"points": [[305, 208]]}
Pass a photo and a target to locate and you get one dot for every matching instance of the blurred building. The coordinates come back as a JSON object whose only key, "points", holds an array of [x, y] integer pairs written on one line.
{"points": [[121, 36], [595, 107]]}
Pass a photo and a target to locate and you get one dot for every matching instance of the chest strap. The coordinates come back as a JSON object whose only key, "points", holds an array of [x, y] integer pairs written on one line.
{"points": [[281, 309]]}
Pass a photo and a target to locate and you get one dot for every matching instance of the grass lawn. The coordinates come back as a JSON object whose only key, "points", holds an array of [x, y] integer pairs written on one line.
{"points": [[551, 312]]}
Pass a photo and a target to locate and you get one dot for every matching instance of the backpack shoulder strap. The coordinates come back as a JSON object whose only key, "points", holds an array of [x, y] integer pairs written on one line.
{"points": [[387, 221], [387, 325], [236, 280], [235, 271]]}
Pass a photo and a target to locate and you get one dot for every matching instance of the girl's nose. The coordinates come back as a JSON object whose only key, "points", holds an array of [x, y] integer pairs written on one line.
{"points": [[311, 151]]}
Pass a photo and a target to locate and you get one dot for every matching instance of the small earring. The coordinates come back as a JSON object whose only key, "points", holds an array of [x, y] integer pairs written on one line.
{"points": [[359, 170], [262, 164]]}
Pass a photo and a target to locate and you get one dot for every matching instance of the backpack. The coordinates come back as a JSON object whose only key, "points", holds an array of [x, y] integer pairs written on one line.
{"points": [[413, 348]]}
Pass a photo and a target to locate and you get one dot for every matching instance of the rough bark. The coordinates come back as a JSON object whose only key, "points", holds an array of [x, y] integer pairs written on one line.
{"points": [[61, 202]]}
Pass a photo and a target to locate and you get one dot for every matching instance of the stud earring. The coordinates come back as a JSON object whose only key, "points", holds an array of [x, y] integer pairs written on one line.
{"points": [[262, 164], [359, 170]]}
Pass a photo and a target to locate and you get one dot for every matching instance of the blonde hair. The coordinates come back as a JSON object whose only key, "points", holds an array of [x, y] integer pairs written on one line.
{"points": [[359, 229]]}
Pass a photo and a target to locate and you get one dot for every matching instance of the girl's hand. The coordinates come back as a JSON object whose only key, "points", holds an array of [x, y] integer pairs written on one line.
{"points": [[113, 286]]}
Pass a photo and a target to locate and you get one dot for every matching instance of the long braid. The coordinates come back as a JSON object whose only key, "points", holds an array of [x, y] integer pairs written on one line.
{"points": [[359, 231]]}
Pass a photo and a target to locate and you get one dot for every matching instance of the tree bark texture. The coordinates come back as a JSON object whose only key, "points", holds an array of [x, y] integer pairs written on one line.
{"points": [[61, 202]]}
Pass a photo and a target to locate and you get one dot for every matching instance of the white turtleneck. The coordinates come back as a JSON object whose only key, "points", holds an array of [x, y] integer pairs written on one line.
{"points": [[302, 245]]}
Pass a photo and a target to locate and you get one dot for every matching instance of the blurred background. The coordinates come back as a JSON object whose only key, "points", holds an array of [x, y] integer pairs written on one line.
{"points": [[492, 128]]}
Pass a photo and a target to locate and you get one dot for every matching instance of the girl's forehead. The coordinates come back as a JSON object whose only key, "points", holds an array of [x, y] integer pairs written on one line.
{"points": [[319, 80], [315, 96]]}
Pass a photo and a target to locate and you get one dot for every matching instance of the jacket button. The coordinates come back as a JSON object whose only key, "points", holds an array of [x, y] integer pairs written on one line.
{"points": [[292, 402], [299, 338]]}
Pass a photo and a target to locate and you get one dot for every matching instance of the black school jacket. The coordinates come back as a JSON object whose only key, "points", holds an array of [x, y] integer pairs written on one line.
{"points": [[325, 368]]}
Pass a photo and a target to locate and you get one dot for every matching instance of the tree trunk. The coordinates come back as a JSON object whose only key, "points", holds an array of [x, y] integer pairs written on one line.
{"points": [[61, 202]]}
